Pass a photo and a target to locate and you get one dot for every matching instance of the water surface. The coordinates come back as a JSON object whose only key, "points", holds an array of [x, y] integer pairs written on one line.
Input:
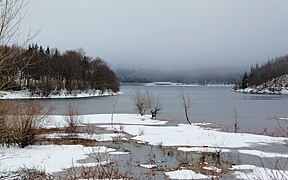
{"points": [[209, 104]]}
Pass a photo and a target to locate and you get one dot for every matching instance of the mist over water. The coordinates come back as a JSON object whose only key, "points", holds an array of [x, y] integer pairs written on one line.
{"points": [[198, 76], [165, 34]]}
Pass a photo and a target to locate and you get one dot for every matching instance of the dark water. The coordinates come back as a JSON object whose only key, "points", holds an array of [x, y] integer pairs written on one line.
{"points": [[209, 104]]}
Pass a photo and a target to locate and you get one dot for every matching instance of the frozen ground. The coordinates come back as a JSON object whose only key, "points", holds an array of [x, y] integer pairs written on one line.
{"points": [[51, 158], [186, 137], [25, 94]]}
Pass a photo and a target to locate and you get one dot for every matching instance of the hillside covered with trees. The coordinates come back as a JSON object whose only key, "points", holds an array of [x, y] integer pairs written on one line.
{"points": [[196, 76], [47, 71], [271, 77]]}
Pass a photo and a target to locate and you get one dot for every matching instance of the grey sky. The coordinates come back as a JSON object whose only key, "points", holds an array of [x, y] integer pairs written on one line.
{"points": [[165, 33]]}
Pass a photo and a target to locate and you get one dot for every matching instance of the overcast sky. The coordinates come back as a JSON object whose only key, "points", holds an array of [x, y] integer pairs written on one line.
{"points": [[172, 34]]}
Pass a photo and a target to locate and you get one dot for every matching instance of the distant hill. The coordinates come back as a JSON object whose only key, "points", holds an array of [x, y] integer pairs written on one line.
{"points": [[198, 76], [271, 77]]}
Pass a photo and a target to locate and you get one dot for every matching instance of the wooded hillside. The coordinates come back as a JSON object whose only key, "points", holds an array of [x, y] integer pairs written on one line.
{"points": [[270, 70], [45, 71]]}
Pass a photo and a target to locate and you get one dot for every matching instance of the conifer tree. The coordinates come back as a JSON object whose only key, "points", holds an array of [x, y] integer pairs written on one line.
{"points": [[47, 52]]}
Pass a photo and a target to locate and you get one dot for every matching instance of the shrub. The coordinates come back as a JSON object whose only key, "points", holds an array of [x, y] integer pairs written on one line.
{"points": [[19, 122], [73, 119]]}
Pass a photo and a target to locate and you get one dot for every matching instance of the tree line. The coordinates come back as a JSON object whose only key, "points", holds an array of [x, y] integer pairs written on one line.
{"points": [[47, 71], [258, 75], [206, 76]]}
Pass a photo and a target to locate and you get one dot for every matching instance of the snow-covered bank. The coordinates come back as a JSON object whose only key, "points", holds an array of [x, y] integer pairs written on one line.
{"points": [[260, 90], [277, 85], [172, 84], [154, 133], [195, 136], [186, 174], [183, 137], [51, 158], [118, 120], [255, 172], [25, 94]]}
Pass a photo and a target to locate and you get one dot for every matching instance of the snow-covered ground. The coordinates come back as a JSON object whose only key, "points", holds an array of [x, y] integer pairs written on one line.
{"points": [[25, 94], [186, 174], [186, 137], [185, 85], [195, 136], [277, 85], [51, 158], [260, 90], [255, 172]]}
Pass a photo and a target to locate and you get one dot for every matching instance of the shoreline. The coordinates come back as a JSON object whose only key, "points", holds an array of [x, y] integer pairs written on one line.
{"points": [[26, 95], [133, 129], [255, 91]]}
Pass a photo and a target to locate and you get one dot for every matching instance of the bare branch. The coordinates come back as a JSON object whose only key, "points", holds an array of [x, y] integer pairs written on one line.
{"points": [[154, 104], [140, 102], [186, 103], [12, 61]]}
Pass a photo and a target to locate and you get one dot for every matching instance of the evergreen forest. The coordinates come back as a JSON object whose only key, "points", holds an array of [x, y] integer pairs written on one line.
{"points": [[258, 75]]}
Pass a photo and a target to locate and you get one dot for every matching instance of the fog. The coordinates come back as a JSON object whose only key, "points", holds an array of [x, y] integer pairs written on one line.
{"points": [[165, 34]]}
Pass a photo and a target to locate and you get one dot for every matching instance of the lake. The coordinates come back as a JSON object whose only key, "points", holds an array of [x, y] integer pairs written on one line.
{"points": [[209, 104]]}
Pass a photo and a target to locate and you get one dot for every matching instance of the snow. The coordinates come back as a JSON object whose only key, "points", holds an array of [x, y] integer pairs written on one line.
{"points": [[263, 154], [191, 135], [148, 166], [186, 137], [124, 119], [169, 84], [186, 85], [51, 158], [255, 172], [202, 149], [25, 94], [118, 153], [275, 86], [212, 168], [185, 174]]}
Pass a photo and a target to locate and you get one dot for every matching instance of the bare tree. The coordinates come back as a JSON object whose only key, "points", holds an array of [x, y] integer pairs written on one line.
{"points": [[73, 119], [140, 102], [113, 110], [154, 104], [12, 61], [186, 103], [236, 119]]}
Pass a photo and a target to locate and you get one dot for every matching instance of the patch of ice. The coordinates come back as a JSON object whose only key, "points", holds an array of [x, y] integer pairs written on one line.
{"points": [[148, 166], [186, 174], [263, 154], [118, 153], [255, 172], [124, 139], [202, 149], [212, 168]]}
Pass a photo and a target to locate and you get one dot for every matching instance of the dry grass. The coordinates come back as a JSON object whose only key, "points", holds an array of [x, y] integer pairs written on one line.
{"points": [[107, 168], [20, 121], [73, 119]]}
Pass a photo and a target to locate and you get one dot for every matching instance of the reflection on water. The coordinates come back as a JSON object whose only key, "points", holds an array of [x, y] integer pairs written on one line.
{"points": [[266, 97]]}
